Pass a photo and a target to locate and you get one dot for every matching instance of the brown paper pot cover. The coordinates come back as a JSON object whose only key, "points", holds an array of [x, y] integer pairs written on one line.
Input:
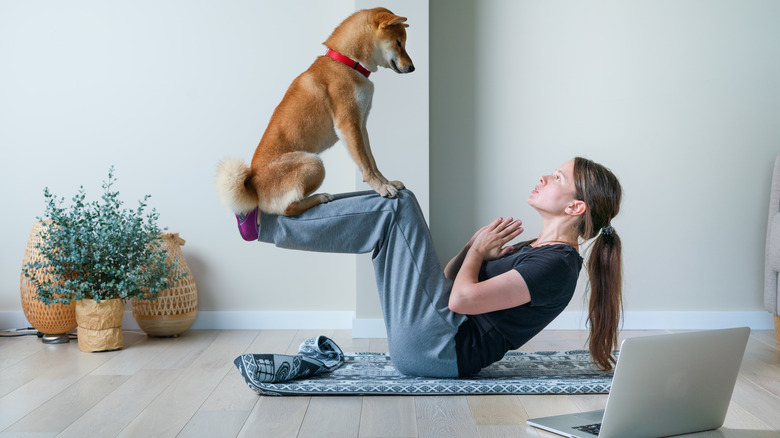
{"points": [[100, 324]]}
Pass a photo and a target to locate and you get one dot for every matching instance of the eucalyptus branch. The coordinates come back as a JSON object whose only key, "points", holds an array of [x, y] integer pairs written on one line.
{"points": [[100, 250]]}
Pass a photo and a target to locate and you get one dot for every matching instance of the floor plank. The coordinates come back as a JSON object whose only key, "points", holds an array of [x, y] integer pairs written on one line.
{"points": [[497, 410], [155, 353], [758, 401], [188, 387], [42, 377], [13, 350], [214, 424], [544, 405], [109, 417], [332, 417], [179, 353], [178, 403], [388, 417], [279, 417], [444, 416], [67, 406]]}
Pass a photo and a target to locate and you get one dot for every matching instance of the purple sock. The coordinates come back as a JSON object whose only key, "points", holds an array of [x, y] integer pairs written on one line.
{"points": [[247, 225]]}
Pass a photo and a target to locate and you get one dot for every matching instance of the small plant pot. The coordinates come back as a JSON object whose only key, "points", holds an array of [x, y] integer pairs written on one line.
{"points": [[100, 324]]}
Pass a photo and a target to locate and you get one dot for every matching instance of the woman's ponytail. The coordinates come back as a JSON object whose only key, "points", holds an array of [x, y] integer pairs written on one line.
{"points": [[598, 187], [606, 302]]}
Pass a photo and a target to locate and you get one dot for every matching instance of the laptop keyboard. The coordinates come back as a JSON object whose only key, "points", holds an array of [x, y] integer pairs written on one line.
{"points": [[592, 429]]}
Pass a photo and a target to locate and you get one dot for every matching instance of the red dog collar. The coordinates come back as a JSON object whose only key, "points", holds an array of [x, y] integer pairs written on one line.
{"points": [[347, 61]]}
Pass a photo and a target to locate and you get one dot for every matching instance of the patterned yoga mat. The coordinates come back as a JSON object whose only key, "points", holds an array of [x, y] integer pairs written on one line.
{"points": [[544, 372]]}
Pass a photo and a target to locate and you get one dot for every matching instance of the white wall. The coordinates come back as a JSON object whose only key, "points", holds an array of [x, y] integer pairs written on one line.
{"points": [[680, 98], [164, 90]]}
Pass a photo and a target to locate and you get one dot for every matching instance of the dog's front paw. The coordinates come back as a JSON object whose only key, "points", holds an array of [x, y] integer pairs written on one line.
{"points": [[388, 191], [397, 184]]}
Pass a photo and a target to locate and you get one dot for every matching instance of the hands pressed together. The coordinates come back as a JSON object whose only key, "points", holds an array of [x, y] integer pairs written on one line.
{"points": [[490, 241], [470, 296]]}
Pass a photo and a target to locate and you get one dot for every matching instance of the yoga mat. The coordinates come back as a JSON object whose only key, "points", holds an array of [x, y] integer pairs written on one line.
{"points": [[543, 372]]}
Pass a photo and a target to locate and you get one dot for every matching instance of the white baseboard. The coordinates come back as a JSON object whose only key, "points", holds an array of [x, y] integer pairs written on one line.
{"points": [[375, 328], [231, 320]]}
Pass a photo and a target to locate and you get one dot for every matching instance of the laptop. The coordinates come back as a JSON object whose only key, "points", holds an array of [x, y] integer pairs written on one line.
{"points": [[663, 385]]}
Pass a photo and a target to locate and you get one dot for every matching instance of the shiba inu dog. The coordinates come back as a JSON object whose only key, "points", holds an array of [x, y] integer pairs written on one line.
{"points": [[328, 102]]}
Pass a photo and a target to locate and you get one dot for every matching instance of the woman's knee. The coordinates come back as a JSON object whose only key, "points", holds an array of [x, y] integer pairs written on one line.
{"points": [[408, 192], [407, 202]]}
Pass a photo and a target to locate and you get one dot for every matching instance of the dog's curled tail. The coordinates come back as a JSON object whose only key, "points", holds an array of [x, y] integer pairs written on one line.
{"points": [[233, 186]]}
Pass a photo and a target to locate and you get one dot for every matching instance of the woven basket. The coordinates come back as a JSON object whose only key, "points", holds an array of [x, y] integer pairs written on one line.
{"points": [[175, 309], [52, 319]]}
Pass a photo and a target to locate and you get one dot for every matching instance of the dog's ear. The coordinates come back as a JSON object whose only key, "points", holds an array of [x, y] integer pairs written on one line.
{"points": [[392, 21]]}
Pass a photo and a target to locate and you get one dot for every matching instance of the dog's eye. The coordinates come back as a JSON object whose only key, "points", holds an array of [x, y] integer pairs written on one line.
{"points": [[399, 44]]}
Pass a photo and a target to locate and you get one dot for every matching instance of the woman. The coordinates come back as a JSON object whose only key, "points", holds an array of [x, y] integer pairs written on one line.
{"points": [[491, 297]]}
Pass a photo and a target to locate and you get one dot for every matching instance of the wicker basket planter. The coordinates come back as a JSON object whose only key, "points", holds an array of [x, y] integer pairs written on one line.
{"points": [[777, 327], [52, 320], [175, 308], [100, 324]]}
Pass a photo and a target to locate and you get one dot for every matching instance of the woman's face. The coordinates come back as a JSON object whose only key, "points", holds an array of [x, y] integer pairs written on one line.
{"points": [[555, 192]]}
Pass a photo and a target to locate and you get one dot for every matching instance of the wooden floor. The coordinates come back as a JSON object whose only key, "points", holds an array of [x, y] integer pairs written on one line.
{"points": [[188, 387]]}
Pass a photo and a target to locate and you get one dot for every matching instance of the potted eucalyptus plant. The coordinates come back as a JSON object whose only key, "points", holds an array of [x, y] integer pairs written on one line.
{"points": [[98, 254]]}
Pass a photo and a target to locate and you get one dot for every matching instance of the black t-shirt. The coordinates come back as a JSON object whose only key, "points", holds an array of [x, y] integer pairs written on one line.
{"points": [[550, 272]]}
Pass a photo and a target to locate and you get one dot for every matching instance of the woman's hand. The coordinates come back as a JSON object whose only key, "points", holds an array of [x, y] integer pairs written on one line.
{"points": [[469, 296], [490, 241], [474, 237], [498, 232]]}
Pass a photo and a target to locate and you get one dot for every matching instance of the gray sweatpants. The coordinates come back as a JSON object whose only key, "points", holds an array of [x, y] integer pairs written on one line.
{"points": [[413, 291]]}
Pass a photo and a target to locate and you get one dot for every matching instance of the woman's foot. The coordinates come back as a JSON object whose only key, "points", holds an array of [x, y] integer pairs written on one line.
{"points": [[248, 225]]}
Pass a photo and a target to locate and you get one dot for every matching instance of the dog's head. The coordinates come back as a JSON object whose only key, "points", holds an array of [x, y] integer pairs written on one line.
{"points": [[375, 37], [390, 43]]}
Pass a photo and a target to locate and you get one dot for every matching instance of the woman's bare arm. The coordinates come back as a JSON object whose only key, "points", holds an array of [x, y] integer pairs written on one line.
{"points": [[470, 296]]}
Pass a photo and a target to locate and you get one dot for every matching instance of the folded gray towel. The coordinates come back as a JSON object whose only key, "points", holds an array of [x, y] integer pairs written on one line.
{"points": [[315, 356]]}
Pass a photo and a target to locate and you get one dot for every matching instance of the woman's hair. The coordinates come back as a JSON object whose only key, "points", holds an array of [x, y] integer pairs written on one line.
{"points": [[598, 187]]}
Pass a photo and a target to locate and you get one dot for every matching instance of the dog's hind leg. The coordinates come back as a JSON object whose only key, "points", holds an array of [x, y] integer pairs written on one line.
{"points": [[306, 203], [296, 175]]}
